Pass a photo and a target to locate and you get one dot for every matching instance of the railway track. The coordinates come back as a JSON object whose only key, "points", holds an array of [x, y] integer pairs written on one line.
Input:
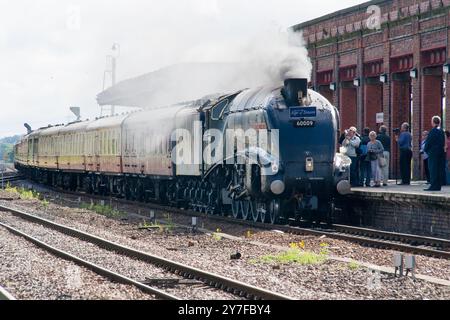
{"points": [[10, 178], [5, 295], [212, 280], [428, 246], [91, 266]]}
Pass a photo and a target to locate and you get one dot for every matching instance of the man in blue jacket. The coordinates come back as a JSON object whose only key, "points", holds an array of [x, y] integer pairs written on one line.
{"points": [[434, 147], [405, 145]]}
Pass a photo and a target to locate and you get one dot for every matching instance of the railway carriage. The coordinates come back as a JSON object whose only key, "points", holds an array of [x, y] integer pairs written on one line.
{"points": [[103, 145], [71, 142], [49, 147], [286, 167]]}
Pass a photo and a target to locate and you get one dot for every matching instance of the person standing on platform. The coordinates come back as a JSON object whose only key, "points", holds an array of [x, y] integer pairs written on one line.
{"points": [[404, 141], [442, 166], [386, 142], [375, 154], [447, 154], [364, 162], [434, 147], [425, 155], [351, 143]]}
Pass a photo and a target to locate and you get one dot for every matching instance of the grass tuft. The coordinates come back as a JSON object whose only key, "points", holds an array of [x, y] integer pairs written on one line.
{"points": [[353, 266], [104, 210], [23, 193], [295, 255]]}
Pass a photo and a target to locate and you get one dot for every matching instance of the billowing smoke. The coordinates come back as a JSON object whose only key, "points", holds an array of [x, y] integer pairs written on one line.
{"points": [[276, 56], [266, 59]]}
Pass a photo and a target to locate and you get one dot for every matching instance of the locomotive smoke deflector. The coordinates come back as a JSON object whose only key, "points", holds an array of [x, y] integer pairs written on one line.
{"points": [[28, 127], [294, 90]]}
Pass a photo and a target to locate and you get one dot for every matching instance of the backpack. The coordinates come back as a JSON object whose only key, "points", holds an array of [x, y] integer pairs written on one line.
{"points": [[359, 151], [363, 149]]}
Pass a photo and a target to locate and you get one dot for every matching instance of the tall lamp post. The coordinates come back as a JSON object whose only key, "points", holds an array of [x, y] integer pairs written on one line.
{"points": [[116, 54]]}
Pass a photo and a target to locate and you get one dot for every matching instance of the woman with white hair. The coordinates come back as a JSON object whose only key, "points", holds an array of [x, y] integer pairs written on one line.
{"points": [[375, 153]]}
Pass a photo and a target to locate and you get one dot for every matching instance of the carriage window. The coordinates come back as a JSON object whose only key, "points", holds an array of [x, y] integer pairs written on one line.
{"points": [[105, 143], [113, 143], [108, 141], [71, 144], [78, 144], [36, 146]]}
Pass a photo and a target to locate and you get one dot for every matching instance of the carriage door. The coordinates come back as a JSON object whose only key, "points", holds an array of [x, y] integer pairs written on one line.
{"points": [[97, 150], [35, 152]]}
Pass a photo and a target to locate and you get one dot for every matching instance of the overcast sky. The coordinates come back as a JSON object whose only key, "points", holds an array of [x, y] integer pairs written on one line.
{"points": [[53, 52]]}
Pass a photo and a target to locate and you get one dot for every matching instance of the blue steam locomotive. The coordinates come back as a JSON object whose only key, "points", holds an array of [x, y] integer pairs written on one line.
{"points": [[268, 154]]}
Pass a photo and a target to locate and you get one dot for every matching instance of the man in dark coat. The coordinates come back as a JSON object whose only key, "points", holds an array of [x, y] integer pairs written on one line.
{"points": [[434, 147], [365, 171]]}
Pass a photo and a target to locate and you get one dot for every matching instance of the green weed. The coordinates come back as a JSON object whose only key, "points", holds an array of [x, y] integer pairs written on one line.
{"points": [[104, 210], [23, 193], [295, 255], [353, 265], [216, 235]]}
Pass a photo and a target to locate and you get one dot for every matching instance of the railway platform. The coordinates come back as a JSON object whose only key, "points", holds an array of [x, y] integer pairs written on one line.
{"points": [[415, 192], [398, 208]]}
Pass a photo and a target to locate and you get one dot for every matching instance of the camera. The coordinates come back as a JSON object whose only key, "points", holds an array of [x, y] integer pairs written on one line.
{"points": [[397, 131]]}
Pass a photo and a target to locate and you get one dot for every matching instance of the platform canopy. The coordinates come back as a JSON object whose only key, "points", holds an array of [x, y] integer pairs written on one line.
{"points": [[178, 83]]}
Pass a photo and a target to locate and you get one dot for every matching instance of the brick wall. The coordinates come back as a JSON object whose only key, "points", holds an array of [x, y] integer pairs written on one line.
{"points": [[431, 99], [347, 108], [399, 213], [373, 101], [326, 92]]}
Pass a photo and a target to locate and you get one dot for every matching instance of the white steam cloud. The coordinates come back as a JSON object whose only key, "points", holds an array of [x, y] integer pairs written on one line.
{"points": [[271, 56], [220, 67]]}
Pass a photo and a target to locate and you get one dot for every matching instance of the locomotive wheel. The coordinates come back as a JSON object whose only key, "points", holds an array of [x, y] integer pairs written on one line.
{"points": [[236, 209], [246, 209], [263, 214], [274, 211], [254, 211], [260, 213]]}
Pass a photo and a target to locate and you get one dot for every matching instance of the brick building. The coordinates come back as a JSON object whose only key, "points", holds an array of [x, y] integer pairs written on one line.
{"points": [[392, 72]]}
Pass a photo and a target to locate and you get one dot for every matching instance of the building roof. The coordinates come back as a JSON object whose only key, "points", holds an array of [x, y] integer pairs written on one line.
{"points": [[359, 7]]}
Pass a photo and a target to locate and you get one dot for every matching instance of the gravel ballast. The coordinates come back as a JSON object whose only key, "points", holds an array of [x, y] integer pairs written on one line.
{"points": [[30, 273], [135, 269], [329, 280]]}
